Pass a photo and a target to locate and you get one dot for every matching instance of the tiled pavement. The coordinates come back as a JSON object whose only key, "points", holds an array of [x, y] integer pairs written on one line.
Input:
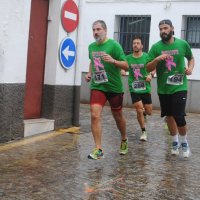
{"points": [[54, 166]]}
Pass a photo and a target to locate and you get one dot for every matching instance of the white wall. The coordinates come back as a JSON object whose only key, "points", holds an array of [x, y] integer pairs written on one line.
{"points": [[14, 30], [55, 74], [14, 33], [158, 10]]}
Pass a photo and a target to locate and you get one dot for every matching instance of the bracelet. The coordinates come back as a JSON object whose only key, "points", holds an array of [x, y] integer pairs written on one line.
{"points": [[114, 61]]}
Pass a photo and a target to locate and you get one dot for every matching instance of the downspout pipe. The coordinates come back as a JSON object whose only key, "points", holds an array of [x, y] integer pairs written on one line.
{"points": [[77, 88]]}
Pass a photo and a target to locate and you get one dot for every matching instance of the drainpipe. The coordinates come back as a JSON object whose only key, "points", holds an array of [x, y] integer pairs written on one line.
{"points": [[77, 89]]}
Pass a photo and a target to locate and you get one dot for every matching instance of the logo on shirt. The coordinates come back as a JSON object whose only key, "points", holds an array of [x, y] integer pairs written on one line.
{"points": [[136, 70], [170, 61], [97, 63], [137, 74]]}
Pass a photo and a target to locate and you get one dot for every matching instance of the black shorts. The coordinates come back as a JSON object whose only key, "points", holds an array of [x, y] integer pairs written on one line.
{"points": [[145, 98], [173, 104]]}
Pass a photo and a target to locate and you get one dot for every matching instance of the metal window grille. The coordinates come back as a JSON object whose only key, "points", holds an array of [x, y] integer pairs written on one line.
{"points": [[191, 30], [131, 26]]}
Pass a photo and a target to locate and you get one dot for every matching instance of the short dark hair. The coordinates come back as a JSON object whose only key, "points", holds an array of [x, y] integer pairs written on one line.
{"points": [[103, 24], [137, 37], [166, 21]]}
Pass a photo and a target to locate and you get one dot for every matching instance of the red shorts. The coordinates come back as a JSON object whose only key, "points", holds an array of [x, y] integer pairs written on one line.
{"points": [[99, 97]]}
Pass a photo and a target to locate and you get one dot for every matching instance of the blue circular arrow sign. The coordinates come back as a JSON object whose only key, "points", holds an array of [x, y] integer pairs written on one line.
{"points": [[67, 53]]}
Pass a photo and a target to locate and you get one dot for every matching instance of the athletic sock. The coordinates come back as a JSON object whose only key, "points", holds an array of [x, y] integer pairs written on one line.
{"points": [[183, 138], [175, 138]]}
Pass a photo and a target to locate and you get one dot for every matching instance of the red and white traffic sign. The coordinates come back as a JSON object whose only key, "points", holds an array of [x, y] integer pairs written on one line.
{"points": [[69, 16]]}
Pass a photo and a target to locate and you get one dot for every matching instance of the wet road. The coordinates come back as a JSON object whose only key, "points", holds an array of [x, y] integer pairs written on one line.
{"points": [[54, 166]]}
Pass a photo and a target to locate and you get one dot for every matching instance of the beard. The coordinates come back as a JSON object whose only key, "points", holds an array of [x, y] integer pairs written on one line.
{"points": [[99, 38], [136, 50], [166, 37]]}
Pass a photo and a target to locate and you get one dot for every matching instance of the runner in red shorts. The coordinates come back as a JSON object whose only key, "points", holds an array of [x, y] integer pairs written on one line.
{"points": [[107, 60]]}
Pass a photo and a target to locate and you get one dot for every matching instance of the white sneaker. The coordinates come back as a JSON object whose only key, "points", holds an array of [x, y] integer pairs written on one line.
{"points": [[143, 136], [175, 147], [185, 149]]}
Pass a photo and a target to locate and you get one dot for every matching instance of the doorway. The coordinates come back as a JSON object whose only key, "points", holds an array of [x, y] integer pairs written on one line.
{"points": [[36, 59]]}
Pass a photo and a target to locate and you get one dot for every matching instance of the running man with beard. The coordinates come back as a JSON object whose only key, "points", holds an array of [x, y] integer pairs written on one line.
{"points": [[107, 60], [168, 57], [139, 84]]}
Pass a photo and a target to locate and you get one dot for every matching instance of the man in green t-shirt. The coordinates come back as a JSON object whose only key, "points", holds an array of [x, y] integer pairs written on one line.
{"points": [[139, 84], [168, 57], [106, 61]]}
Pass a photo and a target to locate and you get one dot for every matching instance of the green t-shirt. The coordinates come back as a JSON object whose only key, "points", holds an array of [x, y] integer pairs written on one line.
{"points": [[171, 75], [106, 76], [138, 74]]}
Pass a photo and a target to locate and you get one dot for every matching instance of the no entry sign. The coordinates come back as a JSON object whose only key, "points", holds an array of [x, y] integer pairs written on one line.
{"points": [[69, 16]]}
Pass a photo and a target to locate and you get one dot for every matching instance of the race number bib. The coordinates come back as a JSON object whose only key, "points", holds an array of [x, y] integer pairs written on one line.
{"points": [[176, 79], [139, 85], [100, 77]]}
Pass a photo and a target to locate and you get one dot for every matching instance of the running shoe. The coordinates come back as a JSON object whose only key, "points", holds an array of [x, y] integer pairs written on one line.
{"points": [[175, 147], [124, 147], [96, 154], [185, 149], [143, 136]]}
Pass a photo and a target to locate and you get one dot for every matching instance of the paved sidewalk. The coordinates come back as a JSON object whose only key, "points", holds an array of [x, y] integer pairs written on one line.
{"points": [[54, 166]]}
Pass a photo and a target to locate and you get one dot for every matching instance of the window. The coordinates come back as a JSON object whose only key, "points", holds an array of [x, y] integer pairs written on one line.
{"points": [[191, 30], [127, 27]]}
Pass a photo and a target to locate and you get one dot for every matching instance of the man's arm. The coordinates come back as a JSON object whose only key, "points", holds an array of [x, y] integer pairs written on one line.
{"points": [[117, 63], [123, 72], [89, 74], [150, 76], [121, 64], [152, 64], [190, 67]]}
